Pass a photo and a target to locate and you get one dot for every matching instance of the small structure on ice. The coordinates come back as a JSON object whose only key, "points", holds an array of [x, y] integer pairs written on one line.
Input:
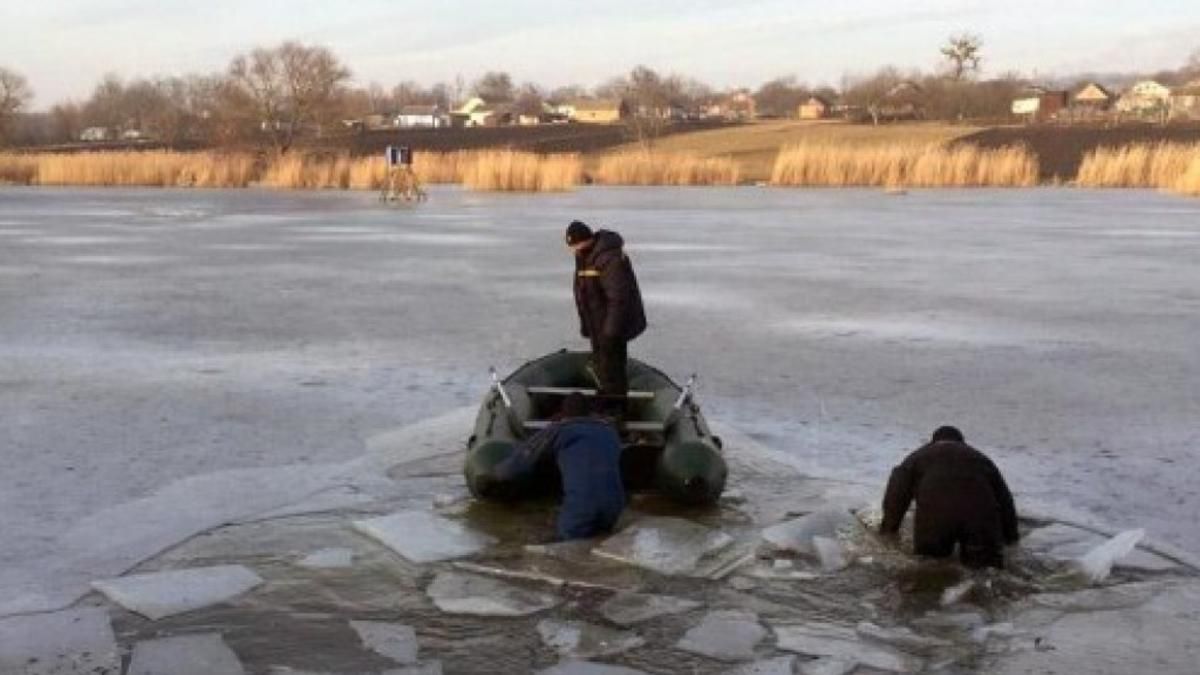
{"points": [[459, 593], [582, 640], [160, 594], [204, 654], [725, 636], [424, 537]]}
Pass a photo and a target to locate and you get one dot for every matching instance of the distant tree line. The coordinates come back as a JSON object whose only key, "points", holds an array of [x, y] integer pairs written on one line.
{"points": [[272, 96]]}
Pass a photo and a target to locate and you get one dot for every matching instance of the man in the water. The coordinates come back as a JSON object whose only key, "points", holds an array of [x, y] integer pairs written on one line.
{"points": [[961, 499], [587, 451], [609, 304]]}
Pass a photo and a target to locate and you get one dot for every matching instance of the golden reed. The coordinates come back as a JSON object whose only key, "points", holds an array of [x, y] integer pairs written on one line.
{"points": [[639, 167], [480, 170], [904, 165], [1173, 166]]}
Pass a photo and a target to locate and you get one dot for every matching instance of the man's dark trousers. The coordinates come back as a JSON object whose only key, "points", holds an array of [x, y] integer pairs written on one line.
{"points": [[609, 358]]}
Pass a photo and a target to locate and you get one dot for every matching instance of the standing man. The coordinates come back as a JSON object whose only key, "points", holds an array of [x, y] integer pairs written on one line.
{"points": [[609, 304], [961, 499]]}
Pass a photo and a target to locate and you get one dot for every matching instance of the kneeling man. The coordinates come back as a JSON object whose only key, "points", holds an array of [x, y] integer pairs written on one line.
{"points": [[961, 499]]}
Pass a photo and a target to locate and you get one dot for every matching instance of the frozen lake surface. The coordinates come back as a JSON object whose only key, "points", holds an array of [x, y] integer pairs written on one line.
{"points": [[149, 337]]}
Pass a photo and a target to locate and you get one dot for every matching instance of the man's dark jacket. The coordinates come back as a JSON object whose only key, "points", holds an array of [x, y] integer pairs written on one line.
{"points": [[606, 291], [587, 451], [960, 496]]}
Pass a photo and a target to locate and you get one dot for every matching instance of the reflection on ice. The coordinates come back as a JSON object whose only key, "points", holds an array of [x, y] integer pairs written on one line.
{"points": [[205, 654], [161, 594]]}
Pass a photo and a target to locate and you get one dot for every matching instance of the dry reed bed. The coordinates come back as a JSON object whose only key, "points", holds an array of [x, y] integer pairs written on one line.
{"points": [[1173, 166], [904, 165], [649, 168], [487, 170]]}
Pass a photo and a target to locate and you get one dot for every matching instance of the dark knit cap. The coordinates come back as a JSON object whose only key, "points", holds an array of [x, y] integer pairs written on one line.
{"points": [[578, 231], [947, 433]]}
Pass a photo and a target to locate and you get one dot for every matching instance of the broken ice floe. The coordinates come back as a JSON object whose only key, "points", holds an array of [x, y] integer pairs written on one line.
{"points": [[829, 553], [328, 558], [725, 636], [843, 644], [673, 546], [582, 640], [70, 641], [827, 666], [396, 641], [588, 668], [954, 594], [798, 534], [627, 608], [1098, 562], [902, 638], [459, 593], [160, 594], [423, 537], [205, 654], [780, 665]]}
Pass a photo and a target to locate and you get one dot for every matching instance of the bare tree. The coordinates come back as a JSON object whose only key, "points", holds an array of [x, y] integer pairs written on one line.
{"points": [[495, 87], [529, 100], [871, 93], [14, 96], [288, 87], [780, 97], [962, 54], [66, 122]]}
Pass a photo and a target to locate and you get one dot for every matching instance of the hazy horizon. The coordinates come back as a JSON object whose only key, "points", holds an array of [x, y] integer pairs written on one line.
{"points": [[65, 49]]}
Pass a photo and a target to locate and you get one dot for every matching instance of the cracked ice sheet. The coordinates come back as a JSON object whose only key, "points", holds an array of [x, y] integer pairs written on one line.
{"points": [[458, 593], [843, 644], [725, 636], [71, 641], [393, 640], [161, 594], [205, 654], [1064, 543], [671, 546], [582, 640], [424, 537], [626, 608]]}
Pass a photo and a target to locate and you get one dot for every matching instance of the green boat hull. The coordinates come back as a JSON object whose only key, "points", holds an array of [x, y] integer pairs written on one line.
{"points": [[666, 449]]}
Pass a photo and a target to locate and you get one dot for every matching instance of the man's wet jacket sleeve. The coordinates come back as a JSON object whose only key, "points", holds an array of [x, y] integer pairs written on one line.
{"points": [[1004, 499], [527, 454], [900, 488]]}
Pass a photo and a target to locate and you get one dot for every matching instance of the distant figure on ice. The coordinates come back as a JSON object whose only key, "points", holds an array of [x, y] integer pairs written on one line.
{"points": [[961, 499], [588, 454], [609, 304]]}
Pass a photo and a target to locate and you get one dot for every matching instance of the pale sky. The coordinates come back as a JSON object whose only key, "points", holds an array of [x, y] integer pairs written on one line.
{"points": [[63, 47]]}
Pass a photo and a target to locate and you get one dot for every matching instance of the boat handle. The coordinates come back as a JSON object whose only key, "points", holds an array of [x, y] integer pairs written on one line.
{"points": [[686, 392], [499, 387]]}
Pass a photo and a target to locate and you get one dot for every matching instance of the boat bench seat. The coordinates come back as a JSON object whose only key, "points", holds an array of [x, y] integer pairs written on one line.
{"points": [[565, 391], [626, 426]]}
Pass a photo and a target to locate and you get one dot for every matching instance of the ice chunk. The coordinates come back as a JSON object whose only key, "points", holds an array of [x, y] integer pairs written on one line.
{"points": [[725, 636], [666, 545], [70, 641], [830, 553], [843, 644], [901, 637], [954, 594], [393, 640], [797, 534], [459, 593], [581, 640], [328, 558], [1066, 543], [204, 654], [780, 665], [827, 666], [425, 668], [628, 608], [950, 620], [587, 668], [161, 594], [423, 537], [1097, 563]]}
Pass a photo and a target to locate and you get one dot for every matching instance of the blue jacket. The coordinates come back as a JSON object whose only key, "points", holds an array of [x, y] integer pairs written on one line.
{"points": [[587, 451]]}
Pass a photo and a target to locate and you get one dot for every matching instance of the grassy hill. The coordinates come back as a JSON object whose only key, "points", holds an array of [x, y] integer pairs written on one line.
{"points": [[754, 146]]}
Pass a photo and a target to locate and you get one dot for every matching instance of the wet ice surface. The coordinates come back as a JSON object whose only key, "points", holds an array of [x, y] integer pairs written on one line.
{"points": [[725, 636], [59, 643], [164, 353], [423, 537], [156, 595], [185, 655]]}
